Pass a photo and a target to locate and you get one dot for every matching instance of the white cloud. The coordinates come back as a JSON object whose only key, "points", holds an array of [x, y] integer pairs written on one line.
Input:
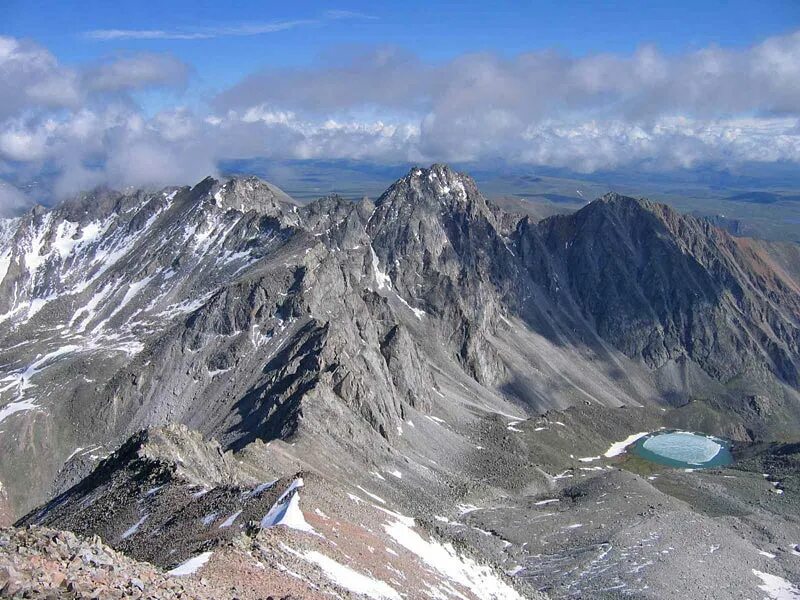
{"points": [[136, 72], [35, 80], [593, 112], [712, 106], [21, 143], [11, 199], [202, 33], [31, 76], [239, 30]]}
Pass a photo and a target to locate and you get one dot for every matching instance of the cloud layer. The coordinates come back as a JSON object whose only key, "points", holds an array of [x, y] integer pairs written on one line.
{"points": [[714, 106]]}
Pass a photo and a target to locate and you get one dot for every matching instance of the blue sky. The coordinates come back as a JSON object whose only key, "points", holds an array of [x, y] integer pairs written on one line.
{"points": [[126, 93]]}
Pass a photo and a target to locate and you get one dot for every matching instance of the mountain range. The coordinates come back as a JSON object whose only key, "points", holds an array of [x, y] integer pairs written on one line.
{"points": [[178, 367]]}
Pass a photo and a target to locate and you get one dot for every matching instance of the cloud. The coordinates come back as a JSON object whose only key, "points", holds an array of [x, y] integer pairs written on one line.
{"points": [[711, 81], [388, 78], [36, 81], [18, 142], [32, 77], [349, 14], [82, 122], [12, 200], [645, 110], [599, 111], [114, 145], [205, 33], [136, 72], [201, 33]]}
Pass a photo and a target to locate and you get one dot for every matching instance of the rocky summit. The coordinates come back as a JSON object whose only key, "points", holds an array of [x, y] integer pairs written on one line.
{"points": [[215, 391]]}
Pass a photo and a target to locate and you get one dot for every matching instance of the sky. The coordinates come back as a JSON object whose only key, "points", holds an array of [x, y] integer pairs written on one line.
{"points": [[127, 93]]}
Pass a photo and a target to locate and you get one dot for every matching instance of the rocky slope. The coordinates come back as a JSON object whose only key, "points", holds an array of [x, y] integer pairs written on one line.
{"points": [[397, 346]]}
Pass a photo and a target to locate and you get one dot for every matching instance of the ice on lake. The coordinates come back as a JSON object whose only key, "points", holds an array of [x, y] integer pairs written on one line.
{"points": [[684, 447]]}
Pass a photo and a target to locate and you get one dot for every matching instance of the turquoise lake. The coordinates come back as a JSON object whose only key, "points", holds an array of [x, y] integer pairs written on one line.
{"points": [[684, 449]]}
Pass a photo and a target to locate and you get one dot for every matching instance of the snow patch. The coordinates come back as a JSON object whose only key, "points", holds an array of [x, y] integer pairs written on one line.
{"points": [[776, 587], [381, 278], [133, 528], [5, 262], [261, 487], [229, 521], [15, 407], [465, 509], [480, 579], [618, 448], [190, 566], [371, 495], [74, 452], [286, 510], [418, 312], [133, 290], [348, 578]]}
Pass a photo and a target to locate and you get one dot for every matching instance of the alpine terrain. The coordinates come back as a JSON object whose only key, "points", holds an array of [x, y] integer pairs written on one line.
{"points": [[217, 392]]}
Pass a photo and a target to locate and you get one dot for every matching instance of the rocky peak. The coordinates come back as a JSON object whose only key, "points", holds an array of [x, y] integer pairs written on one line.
{"points": [[615, 197], [100, 203], [675, 278], [243, 194], [431, 208], [615, 219], [435, 187], [615, 203]]}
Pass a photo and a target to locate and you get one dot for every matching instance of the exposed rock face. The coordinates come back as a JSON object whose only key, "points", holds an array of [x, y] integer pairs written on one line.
{"points": [[39, 562], [660, 286], [436, 242], [157, 497], [228, 308]]}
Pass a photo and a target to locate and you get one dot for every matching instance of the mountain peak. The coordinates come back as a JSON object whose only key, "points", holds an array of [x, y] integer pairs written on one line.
{"points": [[437, 172], [436, 169], [612, 197], [438, 184], [243, 193], [617, 198], [616, 203]]}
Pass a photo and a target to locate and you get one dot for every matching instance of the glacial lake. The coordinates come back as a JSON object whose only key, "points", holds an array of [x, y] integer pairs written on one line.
{"points": [[684, 449]]}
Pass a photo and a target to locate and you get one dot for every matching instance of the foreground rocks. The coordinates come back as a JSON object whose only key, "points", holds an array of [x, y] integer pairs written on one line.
{"points": [[37, 562]]}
